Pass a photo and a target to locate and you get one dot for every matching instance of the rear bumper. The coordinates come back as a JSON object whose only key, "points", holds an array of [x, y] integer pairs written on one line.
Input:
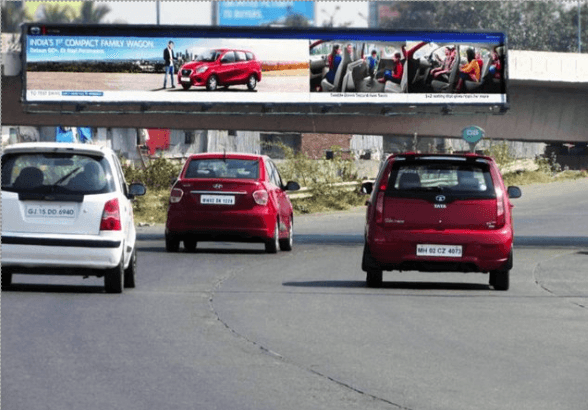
{"points": [[482, 251], [256, 225], [59, 255]]}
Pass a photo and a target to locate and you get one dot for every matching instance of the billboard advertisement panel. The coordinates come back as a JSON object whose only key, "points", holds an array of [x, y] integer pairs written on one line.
{"points": [[260, 13], [241, 65]]}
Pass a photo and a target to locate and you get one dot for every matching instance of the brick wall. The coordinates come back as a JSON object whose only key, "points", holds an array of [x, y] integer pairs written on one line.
{"points": [[315, 145]]}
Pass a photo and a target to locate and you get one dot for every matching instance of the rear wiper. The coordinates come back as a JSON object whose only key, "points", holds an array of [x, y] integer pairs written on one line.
{"points": [[63, 178]]}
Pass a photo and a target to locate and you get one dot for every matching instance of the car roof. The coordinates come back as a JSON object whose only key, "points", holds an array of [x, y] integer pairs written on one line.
{"points": [[230, 155], [415, 155], [34, 147]]}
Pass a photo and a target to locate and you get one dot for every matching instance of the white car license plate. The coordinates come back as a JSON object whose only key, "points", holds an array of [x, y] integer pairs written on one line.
{"points": [[50, 211], [217, 199], [185, 79], [441, 251]]}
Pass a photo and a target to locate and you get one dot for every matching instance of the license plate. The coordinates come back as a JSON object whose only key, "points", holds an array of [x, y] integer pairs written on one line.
{"points": [[217, 199], [185, 79], [440, 251], [50, 211]]}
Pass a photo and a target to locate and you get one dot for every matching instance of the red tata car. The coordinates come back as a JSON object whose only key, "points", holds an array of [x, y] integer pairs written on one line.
{"points": [[221, 67], [439, 213], [230, 197]]}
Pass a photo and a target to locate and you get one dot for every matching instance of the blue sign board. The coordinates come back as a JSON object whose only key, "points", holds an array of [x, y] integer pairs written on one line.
{"points": [[258, 13], [472, 134]]}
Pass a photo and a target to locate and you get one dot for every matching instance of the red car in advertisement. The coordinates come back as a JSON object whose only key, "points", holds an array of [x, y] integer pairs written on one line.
{"points": [[230, 197], [221, 68]]}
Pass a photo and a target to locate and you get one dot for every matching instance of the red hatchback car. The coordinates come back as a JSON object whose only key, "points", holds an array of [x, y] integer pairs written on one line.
{"points": [[230, 197], [439, 213], [221, 67]]}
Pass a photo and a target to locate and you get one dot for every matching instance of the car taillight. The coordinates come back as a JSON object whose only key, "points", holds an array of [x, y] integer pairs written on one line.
{"points": [[380, 208], [500, 209], [176, 195], [260, 197], [380, 198], [111, 216]]}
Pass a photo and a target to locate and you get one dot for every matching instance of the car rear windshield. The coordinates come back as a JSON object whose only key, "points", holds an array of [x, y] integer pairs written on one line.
{"points": [[56, 173], [227, 168], [465, 179]]}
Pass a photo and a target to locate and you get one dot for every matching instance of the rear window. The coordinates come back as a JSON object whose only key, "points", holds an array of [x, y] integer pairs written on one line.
{"points": [[460, 179], [223, 168], [56, 173]]}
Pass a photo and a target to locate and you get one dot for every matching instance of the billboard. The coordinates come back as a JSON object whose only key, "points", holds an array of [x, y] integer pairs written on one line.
{"points": [[243, 65], [260, 13]]}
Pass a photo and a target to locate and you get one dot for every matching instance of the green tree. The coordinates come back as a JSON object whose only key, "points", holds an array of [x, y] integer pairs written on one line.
{"points": [[91, 14], [13, 14], [56, 14]]}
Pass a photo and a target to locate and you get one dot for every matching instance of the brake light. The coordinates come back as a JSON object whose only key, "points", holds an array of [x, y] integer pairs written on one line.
{"points": [[111, 216], [176, 195], [380, 197], [500, 209], [380, 208], [261, 197]]}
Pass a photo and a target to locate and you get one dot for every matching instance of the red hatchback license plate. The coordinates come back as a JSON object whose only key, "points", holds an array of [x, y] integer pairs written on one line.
{"points": [[217, 199], [440, 251]]}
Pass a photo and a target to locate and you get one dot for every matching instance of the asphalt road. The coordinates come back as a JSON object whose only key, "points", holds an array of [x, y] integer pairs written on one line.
{"points": [[230, 327]]}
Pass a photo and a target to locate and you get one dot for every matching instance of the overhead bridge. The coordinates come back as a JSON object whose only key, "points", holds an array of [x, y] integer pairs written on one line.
{"points": [[548, 101]]}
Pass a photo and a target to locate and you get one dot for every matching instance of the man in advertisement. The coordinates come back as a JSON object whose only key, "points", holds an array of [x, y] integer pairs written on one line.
{"points": [[168, 58]]}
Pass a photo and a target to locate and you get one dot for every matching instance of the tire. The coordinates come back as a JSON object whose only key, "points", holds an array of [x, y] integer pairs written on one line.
{"points": [[287, 243], [186, 86], [373, 278], [273, 244], [251, 82], [172, 244], [114, 278], [500, 279], [370, 266], [212, 83], [6, 278], [130, 272], [190, 245]]}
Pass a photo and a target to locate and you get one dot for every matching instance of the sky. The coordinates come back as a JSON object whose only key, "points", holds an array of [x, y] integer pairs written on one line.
{"points": [[200, 12]]}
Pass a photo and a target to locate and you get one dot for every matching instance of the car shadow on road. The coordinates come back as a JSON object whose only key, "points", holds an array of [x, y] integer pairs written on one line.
{"points": [[391, 285], [551, 241], [50, 288], [217, 251]]}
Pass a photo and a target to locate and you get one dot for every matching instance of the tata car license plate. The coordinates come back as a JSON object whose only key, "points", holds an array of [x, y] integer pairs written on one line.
{"points": [[185, 79], [50, 211], [217, 199], [446, 251]]}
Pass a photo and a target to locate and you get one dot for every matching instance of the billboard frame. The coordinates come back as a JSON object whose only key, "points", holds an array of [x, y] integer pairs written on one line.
{"points": [[284, 108]]}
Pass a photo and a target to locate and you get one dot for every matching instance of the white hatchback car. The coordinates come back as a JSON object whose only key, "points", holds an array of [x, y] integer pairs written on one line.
{"points": [[66, 210]]}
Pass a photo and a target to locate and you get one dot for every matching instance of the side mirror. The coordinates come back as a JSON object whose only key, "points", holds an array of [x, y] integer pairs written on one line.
{"points": [[292, 186], [366, 188], [514, 192], [136, 189]]}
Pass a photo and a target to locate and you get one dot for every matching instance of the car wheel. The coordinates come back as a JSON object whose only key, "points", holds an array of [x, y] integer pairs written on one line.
{"points": [[212, 83], [114, 278], [272, 245], [6, 278], [131, 270], [500, 279], [251, 82], [186, 86], [287, 243], [373, 278], [190, 245], [171, 244]]}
